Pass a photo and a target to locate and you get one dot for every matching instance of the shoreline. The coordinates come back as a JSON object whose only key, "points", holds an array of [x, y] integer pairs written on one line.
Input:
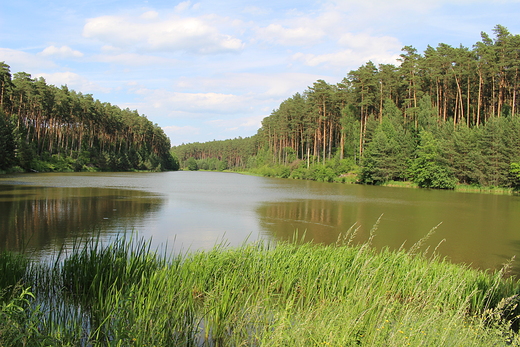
{"points": [[290, 294]]}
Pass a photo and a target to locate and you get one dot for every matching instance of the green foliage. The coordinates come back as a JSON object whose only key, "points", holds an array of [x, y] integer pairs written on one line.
{"points": [[222, 165], [288, 295], [427, 113], [515, 176], [322, 173], [466, 98], [428, 169], [191, 164], [494, 153], [50, 126], [19, 321], [93, 268], [13, 267], [387, 155], [235, 154], [334, 170], [7, 144]]}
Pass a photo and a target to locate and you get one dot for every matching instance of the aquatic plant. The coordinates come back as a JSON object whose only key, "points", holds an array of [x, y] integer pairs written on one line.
{"points": [[260, 294]]}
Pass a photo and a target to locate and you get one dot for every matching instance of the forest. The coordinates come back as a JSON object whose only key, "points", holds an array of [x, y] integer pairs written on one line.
{"points": [[445, 117], [45, 128]]}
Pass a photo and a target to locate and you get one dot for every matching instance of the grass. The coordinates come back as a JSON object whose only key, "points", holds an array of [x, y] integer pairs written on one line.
{"points": [[291, 294], [401, 184], [482, 189]]}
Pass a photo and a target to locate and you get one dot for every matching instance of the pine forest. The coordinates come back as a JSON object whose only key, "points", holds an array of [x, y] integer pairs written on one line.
{"points": [[448, 116], [46, 128]]}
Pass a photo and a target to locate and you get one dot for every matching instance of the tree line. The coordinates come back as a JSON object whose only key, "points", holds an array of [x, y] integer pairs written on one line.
{"points": [[446, 116], [236, 154], [46, 128]]}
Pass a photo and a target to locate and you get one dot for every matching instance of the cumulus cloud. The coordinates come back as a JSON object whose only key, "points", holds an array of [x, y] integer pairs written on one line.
{"points": [[181, 134], [193, 107], [150, 15], [183, 6], [300, 29], [203, 104], [357, 50], [61, 52], [296, 36], [255, 10], [262, 86], [22, 61], [185, 130], [132, 59], [384, 8], [73, 81], [240, 123], [149, 32], [370, 43]]}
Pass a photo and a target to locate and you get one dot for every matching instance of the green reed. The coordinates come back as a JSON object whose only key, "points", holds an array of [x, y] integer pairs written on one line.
{"points": [[12, 269], [291, 294]]}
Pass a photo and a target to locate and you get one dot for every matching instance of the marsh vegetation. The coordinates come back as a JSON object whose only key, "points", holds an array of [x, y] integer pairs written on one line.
{"points": [[259, 294]]}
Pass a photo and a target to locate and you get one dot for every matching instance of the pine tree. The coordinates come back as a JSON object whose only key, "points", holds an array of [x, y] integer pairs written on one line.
{"points": [[7, 144], [429, 170]]}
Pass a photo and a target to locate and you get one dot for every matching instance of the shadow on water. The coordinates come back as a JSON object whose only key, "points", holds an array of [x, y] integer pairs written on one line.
{"points": [[39, 219]]}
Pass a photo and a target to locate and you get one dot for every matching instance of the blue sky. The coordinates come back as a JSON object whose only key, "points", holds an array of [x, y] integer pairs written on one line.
{"points": [[205, 70]]}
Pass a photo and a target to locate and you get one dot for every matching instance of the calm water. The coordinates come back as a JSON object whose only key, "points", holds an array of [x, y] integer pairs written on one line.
{"points": [[196, 210]]}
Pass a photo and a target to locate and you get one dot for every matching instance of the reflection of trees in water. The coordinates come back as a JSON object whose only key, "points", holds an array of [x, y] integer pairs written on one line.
{"points": [[321, 220], [466, 236], [36, 217]]}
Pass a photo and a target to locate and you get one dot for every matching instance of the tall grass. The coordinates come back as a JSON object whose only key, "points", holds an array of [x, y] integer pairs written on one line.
{"points": [[12, 269], [124, 294]]}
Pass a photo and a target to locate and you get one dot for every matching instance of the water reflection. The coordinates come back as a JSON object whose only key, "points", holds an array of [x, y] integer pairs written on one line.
{"points": [[475, 229], [45, 218], [196, 210]]}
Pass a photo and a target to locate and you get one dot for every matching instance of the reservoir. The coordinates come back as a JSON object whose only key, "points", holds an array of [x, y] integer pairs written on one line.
{"points": [[186, 211]]}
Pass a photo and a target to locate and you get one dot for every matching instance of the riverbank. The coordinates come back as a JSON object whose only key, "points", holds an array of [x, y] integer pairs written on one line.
{"points": [[458, 188], [258, 294], [350, 179]]}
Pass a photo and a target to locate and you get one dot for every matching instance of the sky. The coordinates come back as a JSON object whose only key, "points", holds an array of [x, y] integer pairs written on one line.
{"points": [[212, 70]]}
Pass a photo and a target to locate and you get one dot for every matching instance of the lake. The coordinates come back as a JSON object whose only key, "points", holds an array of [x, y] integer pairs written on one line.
{"points": [[185, 211]]}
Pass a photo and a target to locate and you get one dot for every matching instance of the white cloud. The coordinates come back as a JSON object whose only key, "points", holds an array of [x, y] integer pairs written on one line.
{"points": [[203, 104], [185, 130], [376, 8], [300, 35], [347, 58], [241, 123], [150, 15], [193, 107], [181, 134], [366, 42], [133, 59], [175, 33], [183, 6], [73, 81], [254, 10], [359, 49], [22, 61], [61, 52], [110, 49], [261, 85]]}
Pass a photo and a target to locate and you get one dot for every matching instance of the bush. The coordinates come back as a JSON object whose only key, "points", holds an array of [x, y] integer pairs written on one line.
{"points": [[429, 170], [515, 176], [191, 164], [322, 173], [300, 173]]}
